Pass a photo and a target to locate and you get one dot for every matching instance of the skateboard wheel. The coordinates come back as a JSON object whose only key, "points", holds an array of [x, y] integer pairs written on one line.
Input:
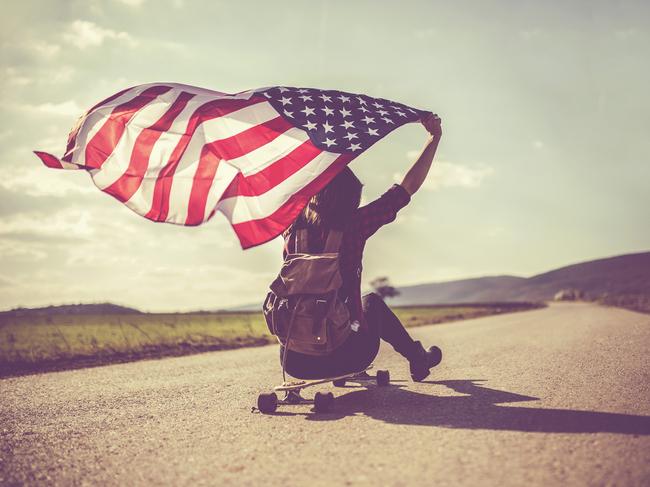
{"points": [[323, 402], [436, 355], [339, 383], [267, 403], [383, 377]]}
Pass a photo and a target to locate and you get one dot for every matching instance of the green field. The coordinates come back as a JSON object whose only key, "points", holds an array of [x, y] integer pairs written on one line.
{"points": [[58, 340]]}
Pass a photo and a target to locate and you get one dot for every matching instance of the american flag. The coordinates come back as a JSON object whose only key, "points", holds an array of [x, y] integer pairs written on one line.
{"points": [[176, 153]]}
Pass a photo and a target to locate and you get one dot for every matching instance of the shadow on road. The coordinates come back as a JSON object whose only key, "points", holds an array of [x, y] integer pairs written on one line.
{"points": [[478, 408]]}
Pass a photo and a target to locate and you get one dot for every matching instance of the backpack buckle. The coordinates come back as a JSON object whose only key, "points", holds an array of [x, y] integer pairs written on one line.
{"points": [[321, 306]]}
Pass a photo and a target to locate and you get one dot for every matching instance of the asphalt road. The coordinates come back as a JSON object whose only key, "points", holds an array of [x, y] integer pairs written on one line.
{"points": [[553, 396]]}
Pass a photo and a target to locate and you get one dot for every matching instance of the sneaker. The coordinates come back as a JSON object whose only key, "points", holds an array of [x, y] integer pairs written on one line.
{"points": [[421, 361]]}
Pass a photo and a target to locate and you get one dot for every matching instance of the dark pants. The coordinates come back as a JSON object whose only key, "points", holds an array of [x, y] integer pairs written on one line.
{"points": [[359, 350]]}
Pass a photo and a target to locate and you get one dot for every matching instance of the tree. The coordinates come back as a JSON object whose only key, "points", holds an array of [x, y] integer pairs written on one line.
{"points": [[383, 287]]}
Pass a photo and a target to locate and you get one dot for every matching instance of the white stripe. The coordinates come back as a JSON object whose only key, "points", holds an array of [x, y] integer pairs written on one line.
{"points": [[238, 121], [161, 152], [68, 165], [94, 120], [265, 155], [210, 94], [240, 209], [118, 161], [210, 131], [257, 160]]}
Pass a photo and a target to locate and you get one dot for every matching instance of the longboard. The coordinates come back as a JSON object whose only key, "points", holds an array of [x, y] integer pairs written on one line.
{"points": [[323, 402], [302, 384]]}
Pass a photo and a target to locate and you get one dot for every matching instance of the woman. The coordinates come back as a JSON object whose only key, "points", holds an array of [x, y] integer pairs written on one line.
{"points": [[336, 207]]}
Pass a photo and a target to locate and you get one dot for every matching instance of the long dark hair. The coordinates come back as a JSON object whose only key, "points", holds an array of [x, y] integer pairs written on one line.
{"points": [[332, 206]]}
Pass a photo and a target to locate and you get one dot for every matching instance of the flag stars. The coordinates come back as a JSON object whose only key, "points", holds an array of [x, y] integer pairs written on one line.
{"points": [[338, 121], [308, 111]]}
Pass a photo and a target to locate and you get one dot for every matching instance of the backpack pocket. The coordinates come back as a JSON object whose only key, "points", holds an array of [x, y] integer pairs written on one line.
{"points": [[276, 314]]}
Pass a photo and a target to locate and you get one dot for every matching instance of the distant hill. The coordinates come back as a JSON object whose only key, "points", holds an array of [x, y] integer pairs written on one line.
{"points": [[622, 276], [615, 276], [72, 309]]}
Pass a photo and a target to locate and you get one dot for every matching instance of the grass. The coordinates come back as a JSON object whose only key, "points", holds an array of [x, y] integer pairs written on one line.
{"points": [[32, 343]]}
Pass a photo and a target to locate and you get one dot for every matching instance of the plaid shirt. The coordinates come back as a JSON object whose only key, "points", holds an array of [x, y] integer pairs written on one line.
{"points": [[363, 224]]}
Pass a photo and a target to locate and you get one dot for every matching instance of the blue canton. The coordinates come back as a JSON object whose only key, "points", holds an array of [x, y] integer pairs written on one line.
{"points": [[337, 121]]}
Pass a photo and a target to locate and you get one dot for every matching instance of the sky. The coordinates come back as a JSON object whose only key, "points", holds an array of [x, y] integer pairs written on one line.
{"points": [[544, 159]]}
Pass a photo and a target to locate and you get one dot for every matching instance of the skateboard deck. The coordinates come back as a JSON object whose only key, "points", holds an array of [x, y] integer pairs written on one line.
{"points": [[323, 402], [302, 384]]}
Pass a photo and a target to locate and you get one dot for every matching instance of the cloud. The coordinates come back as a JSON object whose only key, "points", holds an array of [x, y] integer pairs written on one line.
{"points": [[530, 34], [70, 223], [423, 34], [35, 180], [450, 175], [15, 78], [47, 50], [12, 250], [84, 34], [131, 3], [61, 74], [68, 108], [445, 174]]}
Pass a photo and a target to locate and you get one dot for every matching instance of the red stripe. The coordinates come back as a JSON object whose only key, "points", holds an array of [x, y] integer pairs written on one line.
{"points": [[207, 168], [250, 139], [129, 182], [214, 109], [269, 177], [257, 232], [72, 138], [49, 160], [104, 141], [228, 148]]}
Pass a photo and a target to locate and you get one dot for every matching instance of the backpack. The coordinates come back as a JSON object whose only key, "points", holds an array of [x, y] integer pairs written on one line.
{"points": [[303, 309]]}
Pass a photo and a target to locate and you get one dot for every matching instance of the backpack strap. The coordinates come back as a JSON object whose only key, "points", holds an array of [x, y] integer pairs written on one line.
{"points": [[302, 241], [333, 242]]}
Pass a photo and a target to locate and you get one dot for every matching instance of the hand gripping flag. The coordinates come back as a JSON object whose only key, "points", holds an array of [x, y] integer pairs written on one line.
{"points": [[176, 153]]}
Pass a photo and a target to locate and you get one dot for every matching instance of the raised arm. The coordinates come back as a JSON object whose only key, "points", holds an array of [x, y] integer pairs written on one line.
{"points": [[418, 172]]}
